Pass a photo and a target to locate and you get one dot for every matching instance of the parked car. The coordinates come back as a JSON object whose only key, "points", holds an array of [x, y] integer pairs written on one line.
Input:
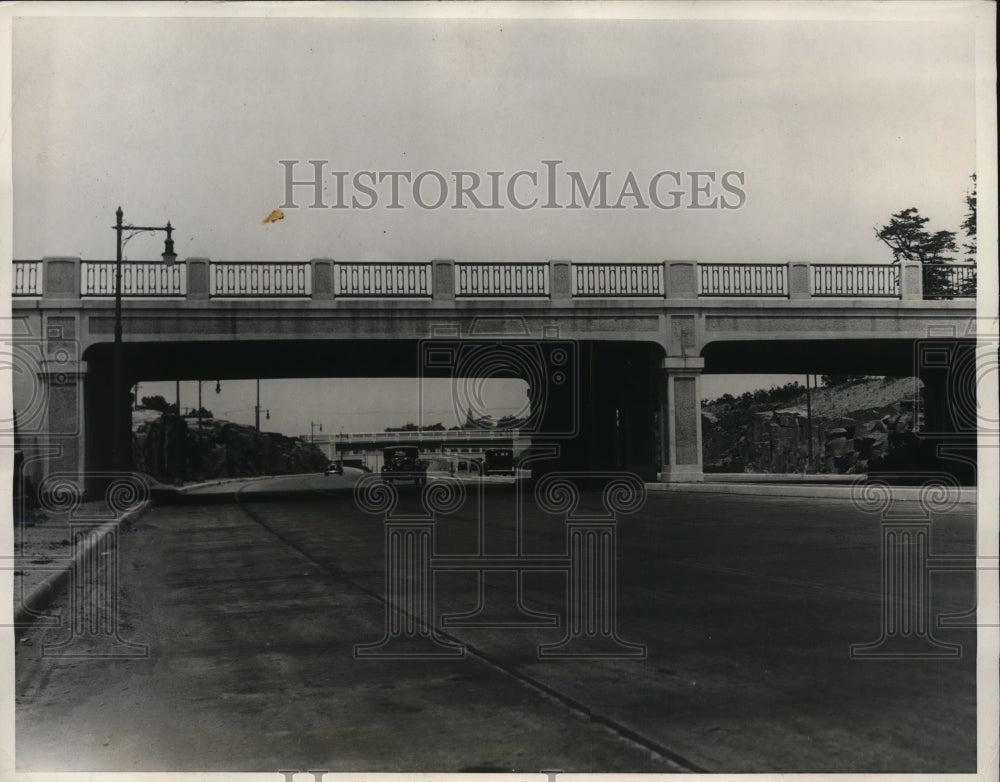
{"points": [[403, 463], [334, 467]]}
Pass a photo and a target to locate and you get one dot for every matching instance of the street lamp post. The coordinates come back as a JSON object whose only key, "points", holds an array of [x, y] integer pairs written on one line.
{"points": [[256, 409], [218, 390], [169, 257]]}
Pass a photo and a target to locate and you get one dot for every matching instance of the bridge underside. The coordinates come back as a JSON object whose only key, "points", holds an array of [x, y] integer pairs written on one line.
{"points": [[828, 356], [596, 405]]}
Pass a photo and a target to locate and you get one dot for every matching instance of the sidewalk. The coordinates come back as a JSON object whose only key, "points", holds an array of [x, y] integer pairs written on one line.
{"points": [[834, 487], [44, 555]]}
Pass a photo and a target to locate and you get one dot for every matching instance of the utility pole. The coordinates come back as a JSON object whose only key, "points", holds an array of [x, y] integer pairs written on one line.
{"points": [[256, 409], [809, 422]]}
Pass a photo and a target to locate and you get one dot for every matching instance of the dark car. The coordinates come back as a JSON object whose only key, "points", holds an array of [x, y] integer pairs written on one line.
{"points": [[334, 467], [402, 463]]}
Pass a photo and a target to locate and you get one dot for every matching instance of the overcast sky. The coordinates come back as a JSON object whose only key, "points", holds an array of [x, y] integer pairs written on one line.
{"points": [[834, 126], [831, 126]]}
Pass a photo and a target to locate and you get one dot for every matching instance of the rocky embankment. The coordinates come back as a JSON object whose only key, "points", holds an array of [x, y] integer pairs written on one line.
{"points": [[855, 428], [171, 449]]}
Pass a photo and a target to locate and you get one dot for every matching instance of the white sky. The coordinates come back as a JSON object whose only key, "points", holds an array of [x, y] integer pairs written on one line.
{"points": [[835, 125]]}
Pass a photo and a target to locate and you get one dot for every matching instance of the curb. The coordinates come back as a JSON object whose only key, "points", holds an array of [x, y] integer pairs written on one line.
{"points": [[39, 599], [966, 495]]}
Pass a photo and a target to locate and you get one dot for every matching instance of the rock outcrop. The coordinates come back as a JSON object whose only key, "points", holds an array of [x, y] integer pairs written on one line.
{"points": [[758, 436]]}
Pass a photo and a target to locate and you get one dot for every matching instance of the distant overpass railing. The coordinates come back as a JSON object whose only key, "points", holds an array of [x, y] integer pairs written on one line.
{"points": [[446, 435], [447, 280]]}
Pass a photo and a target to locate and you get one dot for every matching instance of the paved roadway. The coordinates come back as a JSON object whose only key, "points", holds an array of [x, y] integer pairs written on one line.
{"points": [[747, 607]]}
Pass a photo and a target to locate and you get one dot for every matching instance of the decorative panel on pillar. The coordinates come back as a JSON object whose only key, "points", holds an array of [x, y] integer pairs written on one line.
{"points": [[685, 420]]}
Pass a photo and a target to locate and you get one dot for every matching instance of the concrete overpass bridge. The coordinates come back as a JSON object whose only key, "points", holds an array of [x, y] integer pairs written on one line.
{"points": [[612, 352]]}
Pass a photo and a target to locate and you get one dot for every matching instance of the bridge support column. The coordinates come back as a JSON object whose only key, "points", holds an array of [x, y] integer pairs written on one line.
{"points": [[680, 419], [948, 413], [46, 386], [614, 395], [99, 412]]}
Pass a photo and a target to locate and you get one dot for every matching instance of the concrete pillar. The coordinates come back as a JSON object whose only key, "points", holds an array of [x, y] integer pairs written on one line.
{"points": [[322, 278], [682, 279], [948, 411], [60, 278], [614, 395], [680, 419], [444, 280], [198, 281], [561, 283], [911, 281], [798, 281]]}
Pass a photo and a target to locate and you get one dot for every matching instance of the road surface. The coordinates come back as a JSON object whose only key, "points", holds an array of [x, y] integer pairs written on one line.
{"points": [[252, 607]]}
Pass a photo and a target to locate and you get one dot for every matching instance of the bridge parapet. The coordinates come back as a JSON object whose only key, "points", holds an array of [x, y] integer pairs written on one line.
{"points": [[447, 280]]}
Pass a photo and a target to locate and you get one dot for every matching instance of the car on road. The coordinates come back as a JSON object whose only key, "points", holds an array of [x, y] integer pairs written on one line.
{"points": [[334, 468], [403, 463]]}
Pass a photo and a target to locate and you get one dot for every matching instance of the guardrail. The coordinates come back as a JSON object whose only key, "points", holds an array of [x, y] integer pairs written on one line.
{"points": [[27, 278], [445, 280], [949, 281], [842, 279], [617, 279], [743, 279], [140, 279], [501, 279], [382, 280], [260, 280]]}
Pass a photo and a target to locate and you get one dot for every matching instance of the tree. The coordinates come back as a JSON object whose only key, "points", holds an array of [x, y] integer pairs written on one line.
{"points": [[967, 280], [969, 224], [839, 380], [909, 241], [158, 403], [906, 237]]}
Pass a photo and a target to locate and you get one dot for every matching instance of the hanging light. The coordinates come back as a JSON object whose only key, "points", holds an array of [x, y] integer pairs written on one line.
{"points": [[218, 387]]}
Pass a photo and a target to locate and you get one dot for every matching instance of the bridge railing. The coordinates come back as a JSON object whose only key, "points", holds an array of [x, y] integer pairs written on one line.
{"points": [[445, 280], [449, 436], [501, 279], [617, 279], [140, 279], [382, 280], [743, 279], [260, 280], [949, 281], [843, 279], [27, 278]]}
